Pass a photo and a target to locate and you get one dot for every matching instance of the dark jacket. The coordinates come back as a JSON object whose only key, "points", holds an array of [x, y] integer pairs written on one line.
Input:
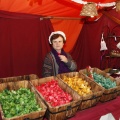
{"points": [[50, 66]]}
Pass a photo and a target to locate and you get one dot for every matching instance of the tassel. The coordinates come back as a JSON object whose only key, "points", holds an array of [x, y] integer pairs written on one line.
{"points": [[103, 44]]}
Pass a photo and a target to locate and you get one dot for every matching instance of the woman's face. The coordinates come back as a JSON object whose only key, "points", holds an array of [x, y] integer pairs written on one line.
{"points": [[58, 43]]}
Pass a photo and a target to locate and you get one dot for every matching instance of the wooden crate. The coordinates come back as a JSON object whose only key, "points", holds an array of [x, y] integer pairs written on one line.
{"points": [[60, 112], [89, 100], [18, 78], [36, 115], [108, 94], [118, 82]]}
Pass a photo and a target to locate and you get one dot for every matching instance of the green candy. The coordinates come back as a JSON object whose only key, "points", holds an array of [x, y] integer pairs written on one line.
{"points": [[107, 83]]}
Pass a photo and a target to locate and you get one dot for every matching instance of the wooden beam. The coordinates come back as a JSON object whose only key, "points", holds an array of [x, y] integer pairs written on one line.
{"points": [[111, 17], [60, 18]]}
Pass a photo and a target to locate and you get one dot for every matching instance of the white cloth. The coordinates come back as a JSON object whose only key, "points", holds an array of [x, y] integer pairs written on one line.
{"points": [[103, 44], [108, 116], [118, 45]]}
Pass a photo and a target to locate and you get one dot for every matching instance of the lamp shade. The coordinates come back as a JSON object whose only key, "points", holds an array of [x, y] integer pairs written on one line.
{"points": [[118, 6], [89, 9]]}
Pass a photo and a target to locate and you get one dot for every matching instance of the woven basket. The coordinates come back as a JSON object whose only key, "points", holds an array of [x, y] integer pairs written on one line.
{"points": [[37, 115], [60, 112], [89, 100], [108, 94], [18, 78], [89, 9], [118, 82]]}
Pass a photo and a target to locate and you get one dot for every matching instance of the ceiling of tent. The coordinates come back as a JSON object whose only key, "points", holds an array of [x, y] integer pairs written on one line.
{"points": [[55, 8], [58, 8]]}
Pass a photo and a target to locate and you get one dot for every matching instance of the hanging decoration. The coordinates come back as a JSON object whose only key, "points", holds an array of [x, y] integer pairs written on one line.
{"points": [[103, 44], [89, 9], [99, 4]]}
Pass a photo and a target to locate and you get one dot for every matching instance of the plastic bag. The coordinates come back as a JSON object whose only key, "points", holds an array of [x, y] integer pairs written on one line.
{"points": [[103, 44]]}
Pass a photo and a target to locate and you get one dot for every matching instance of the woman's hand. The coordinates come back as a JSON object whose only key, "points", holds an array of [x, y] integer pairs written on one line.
{"points": [[63, 58]]}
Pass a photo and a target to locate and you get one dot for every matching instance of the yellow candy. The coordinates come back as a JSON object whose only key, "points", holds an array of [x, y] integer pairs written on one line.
{"points": [[78, 84]]}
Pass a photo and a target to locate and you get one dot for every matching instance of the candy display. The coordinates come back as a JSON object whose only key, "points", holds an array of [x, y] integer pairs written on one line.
{"points": [[89, 90], [107, 83], [111, 85], [19, 102], [78, 84], [53, 94], [61, 101]]}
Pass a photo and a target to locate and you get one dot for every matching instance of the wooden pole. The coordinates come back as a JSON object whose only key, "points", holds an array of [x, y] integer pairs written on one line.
{"points": [[61, 18]]}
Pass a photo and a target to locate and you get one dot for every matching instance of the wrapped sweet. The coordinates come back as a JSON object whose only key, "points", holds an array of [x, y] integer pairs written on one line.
{"points": [[107, 83], [53, 94], [78, 84]]}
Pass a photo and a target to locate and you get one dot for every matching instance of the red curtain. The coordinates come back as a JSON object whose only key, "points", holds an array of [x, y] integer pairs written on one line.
{"points": [[23, 43], [87, 48]]}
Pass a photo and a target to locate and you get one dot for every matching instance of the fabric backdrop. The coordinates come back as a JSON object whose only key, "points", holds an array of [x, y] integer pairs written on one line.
{"points": [[86, 51], [23, 43], [54, 8]]}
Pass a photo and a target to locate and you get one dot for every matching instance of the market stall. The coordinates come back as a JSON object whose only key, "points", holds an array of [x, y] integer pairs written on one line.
{"points": [[87, 93]]}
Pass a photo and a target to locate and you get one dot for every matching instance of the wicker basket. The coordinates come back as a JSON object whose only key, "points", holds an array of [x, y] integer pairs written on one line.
{"points": [[89, 100], [60, 112], [108, 94], [18, 78], [118, 82], [37, 115]]}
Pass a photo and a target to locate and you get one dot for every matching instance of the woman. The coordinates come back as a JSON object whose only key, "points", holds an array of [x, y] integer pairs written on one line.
{"points": [[57, 61]]}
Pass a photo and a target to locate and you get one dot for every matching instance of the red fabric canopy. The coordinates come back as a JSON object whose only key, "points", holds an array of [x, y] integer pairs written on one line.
{"points": [[57, 8], [46, 7]]}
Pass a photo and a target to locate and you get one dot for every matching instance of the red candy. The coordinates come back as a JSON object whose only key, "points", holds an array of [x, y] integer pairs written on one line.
{"points": [[53, 93]]}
